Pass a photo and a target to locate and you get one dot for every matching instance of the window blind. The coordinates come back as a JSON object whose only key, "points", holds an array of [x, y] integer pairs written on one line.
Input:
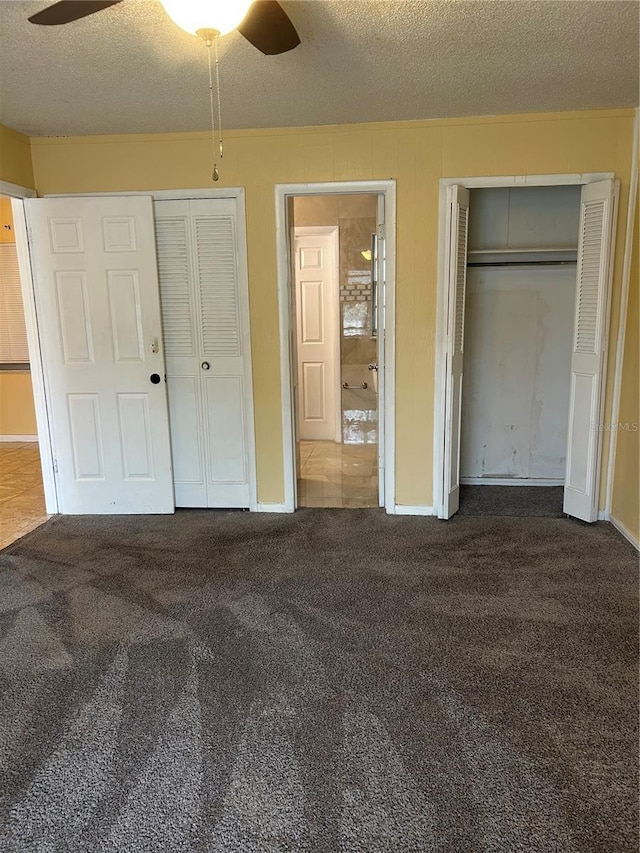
{"points": [[13, 334]]}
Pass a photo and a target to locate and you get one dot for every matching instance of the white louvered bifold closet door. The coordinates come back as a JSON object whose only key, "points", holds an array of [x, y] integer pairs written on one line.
{"points": [[456, 276], [206, 331], [588, 360]]}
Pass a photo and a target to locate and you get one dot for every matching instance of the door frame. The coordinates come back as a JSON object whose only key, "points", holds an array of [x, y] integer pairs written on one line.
{"points": [[17, 194], [38, 376], [439, 425], [332, 231], [386, 192]]}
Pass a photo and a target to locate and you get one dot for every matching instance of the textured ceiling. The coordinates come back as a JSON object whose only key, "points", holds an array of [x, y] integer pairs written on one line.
{"points": [[129, 69]]}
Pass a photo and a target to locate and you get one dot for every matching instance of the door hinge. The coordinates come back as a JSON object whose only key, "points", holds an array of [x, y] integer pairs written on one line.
{"points": [[381, 232], [55, 466]]}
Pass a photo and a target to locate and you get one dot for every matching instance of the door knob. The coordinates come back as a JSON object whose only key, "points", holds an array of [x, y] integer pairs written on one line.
{"points": [[155, 378], [205, 365]]}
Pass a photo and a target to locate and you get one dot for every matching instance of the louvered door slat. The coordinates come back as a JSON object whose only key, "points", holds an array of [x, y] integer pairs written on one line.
{"points": [[217, 286], [175, 292], [461, 274], [586, 334]]}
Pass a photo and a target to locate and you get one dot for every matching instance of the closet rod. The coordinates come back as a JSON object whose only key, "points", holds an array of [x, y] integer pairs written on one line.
{"points": [[519, 263]]}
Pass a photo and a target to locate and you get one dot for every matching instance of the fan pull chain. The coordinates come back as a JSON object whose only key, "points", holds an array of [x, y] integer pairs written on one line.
{"points": [[219, 99], [215, 174]]}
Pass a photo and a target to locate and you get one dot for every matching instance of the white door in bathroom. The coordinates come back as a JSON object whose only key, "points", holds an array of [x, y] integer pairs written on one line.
{"points": [[317, 333]]}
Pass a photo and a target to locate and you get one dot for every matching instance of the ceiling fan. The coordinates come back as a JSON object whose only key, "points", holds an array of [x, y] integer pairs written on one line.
{"points": [[266, 25]]}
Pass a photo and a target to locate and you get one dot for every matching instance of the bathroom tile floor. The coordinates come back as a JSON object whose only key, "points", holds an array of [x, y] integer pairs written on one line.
{"points": [[337, 475], [332, 475], [21, 492]]}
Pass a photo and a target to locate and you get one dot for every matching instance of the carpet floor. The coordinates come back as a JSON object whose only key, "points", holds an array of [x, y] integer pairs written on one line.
{"points": [[332, 681], [541, 501]]}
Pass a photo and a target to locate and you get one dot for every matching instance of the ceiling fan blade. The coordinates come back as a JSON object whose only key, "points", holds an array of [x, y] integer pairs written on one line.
{"points": [[267, 27], [70, 10]]}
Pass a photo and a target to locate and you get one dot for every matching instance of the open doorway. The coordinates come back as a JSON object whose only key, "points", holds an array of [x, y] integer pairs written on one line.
{"points": [[519, 306], [22, 506], [534, 412], [336, 349]]}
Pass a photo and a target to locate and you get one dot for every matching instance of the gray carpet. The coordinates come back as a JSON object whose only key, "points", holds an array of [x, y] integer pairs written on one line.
{"points": [[332, 682], [540, 501]]}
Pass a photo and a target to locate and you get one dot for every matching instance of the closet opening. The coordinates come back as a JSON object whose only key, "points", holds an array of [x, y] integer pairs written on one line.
{"points": [[523, 313], [520, 292]]}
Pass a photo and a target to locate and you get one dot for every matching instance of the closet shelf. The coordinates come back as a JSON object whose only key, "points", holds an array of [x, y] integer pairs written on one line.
{"points": [[478, 257], [573, 249]]}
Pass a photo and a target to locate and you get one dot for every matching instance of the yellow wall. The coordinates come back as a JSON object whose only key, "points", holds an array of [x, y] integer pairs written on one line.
{"points": [[15, 158], [7, 234], [416, 155], [625, 503], [17, 415]]}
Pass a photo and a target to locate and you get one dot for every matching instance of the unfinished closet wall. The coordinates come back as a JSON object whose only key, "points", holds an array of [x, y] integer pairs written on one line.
{"points": [[518, 327]]}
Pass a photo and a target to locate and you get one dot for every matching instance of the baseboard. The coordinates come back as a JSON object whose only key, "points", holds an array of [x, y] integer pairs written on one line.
{"points": [[401, 509], [262, 507], [18, 438], [509, 481], [619, 526]]}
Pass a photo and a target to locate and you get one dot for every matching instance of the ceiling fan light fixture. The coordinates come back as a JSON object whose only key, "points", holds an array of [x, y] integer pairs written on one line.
{"points": [[212, 16]]}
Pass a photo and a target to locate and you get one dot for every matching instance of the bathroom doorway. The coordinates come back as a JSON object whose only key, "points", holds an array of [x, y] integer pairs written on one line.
{"points": [[22, 503], [336, 349], [382, 249]]}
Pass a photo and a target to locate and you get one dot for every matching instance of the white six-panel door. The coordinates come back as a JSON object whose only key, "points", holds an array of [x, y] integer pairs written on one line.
{"points": [[597, 216], [96, 290], [456, 260], [318, 342], [205, 315]]}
